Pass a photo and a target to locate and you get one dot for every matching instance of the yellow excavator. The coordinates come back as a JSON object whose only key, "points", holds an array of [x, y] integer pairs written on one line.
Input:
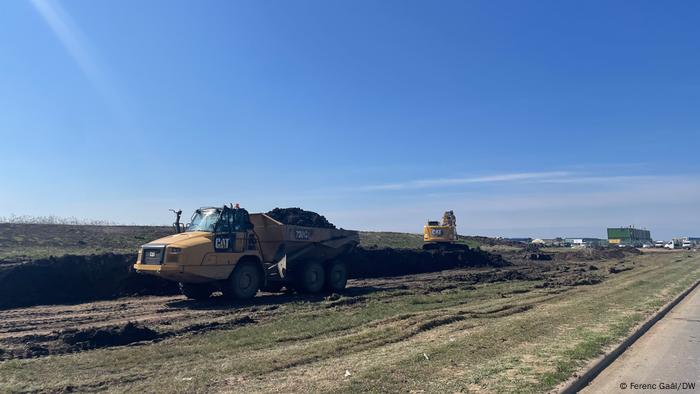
{"points": [[442, 236]]}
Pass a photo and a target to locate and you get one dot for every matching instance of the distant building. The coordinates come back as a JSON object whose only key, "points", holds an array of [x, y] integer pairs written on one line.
{"points": [[628, 236]]}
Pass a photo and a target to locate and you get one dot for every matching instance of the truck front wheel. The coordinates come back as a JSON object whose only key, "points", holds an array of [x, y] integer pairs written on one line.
{"points": [[336, 276], [195, 291], [243, 283], [311, 278]]}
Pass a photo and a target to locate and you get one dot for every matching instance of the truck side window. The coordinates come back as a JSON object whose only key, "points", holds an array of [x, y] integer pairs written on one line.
{"points": [[241, 221], [224, 225]]}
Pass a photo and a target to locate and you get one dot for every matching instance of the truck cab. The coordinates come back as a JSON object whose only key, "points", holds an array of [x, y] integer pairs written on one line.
{"points": [[213, 244]]}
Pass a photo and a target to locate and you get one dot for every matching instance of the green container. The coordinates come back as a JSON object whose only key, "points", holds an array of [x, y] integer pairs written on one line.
{"points": [[629, 235]]}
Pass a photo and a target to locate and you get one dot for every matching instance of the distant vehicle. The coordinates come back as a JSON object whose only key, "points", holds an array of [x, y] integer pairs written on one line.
{"points": [[670, 245], [687, 245], [647, 245], [659, 244]]}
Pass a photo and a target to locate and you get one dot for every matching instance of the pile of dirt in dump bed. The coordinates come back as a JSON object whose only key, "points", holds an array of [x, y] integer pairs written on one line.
{"points": [[300, 217], [70, 279], [370, 263]]}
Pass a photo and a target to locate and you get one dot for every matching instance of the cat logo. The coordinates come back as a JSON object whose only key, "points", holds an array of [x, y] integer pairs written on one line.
{"points": [[436, 232], [302, 234], [151, 254], [221, 243]]}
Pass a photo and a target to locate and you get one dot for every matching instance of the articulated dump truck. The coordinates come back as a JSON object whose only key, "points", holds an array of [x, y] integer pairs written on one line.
{"points": [[229, 250]]}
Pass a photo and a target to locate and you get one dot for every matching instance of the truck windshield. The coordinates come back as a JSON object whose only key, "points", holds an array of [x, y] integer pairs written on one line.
{"points": [[204, 220]]}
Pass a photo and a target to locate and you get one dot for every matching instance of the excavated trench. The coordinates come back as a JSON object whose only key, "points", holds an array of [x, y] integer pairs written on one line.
{"points": [[73, 279]]}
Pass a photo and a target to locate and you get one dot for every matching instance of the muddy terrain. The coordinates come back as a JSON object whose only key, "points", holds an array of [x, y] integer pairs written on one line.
{"points": [[44, 330], [71, 279], [518, 328]]}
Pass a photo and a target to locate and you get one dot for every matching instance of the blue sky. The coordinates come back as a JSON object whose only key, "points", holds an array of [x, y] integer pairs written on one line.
{"points": [[538, 118]]}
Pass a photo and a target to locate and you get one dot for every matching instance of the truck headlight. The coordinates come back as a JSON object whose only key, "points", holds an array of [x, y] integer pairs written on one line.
{"points": [[175, 250]]}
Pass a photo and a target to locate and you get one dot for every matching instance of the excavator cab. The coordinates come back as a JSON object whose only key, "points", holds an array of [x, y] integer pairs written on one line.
{"points": [[443, 235]]}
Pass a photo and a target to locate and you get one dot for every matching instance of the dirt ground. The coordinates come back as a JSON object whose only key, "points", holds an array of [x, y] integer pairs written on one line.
{"points": [[48, 330], [519, 328]]}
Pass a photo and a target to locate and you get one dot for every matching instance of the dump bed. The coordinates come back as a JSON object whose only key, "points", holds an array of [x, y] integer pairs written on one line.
{"points": [[292, 243]]}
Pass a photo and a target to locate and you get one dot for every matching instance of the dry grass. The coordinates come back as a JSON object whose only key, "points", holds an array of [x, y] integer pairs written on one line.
{"points": [[493, 337]]}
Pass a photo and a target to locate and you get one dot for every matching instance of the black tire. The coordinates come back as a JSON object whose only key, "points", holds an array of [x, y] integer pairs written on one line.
{"points": [[336, 276], [195, 291], [243, 283], [310, 278]]}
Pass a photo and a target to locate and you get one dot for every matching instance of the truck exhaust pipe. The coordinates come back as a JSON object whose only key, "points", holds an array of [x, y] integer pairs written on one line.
{"points": [[176, 225]]}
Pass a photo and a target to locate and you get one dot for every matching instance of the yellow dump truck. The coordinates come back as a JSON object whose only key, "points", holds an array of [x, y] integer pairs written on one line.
{"points": [[229, 250]]}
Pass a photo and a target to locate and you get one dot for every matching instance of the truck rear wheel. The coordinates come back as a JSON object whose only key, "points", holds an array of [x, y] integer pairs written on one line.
{"points": [[195, 291], [336, 276], [243, 283], [311, 278]]}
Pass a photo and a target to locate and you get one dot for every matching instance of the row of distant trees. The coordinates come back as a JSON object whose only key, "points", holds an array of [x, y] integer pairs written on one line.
{"points": [[53, 219]]}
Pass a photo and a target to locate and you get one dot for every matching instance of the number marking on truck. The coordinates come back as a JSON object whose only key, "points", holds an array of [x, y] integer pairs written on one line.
{"points": [[302, 234]]}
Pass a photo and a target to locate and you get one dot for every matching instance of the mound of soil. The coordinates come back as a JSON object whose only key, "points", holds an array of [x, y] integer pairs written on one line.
{"points": [[498, 275], [490, 241], [70, 340], [300, 217], [618, 269], [595, 254], [539, 256], [93, 338], [579, 279], [370, 263], [72, 279]]}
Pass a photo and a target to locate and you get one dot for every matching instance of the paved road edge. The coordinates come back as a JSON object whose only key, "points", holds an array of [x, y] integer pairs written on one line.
{"points": [[595, 367]]}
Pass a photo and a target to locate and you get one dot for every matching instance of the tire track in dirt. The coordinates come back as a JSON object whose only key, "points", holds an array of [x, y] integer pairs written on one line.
{"points": [[41, 330]]}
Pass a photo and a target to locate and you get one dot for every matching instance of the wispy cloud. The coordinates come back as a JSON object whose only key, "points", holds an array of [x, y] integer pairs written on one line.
{"points": [[437, 182], [73, 40], [665, 204], [600, 179]]}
